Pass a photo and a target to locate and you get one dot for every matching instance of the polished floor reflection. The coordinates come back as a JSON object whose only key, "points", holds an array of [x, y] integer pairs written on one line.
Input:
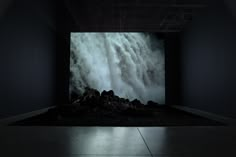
{"points": [[117, 141]]}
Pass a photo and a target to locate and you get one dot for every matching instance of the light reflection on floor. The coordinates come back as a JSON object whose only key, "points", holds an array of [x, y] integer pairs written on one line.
{"points": [[117, 141]]}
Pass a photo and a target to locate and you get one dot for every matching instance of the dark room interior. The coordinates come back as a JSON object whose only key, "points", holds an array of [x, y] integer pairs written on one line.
{"points": [[175, 97]]}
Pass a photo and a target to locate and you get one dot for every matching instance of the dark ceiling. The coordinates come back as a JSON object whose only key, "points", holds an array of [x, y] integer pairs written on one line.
{"points": [[131, 15]]}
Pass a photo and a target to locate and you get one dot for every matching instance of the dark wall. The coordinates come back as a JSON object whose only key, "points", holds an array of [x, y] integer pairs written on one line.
{"points": [[27, 57], [208, 61]]}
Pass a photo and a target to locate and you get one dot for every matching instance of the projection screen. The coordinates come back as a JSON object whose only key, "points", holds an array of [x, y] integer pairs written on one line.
{"points": [[130, 64]]}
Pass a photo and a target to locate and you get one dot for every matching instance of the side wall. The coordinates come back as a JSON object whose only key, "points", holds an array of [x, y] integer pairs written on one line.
{"points": [[208, 61], [27, 57]]}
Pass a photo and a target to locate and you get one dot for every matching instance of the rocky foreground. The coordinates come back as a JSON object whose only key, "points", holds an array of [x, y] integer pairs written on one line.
{"points": [[106, 102], [107, 109]]}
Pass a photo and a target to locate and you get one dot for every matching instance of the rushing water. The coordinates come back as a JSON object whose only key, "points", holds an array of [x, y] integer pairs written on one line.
{"points": [[131, 64]]}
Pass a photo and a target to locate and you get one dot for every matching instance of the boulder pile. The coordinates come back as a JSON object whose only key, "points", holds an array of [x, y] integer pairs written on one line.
{"points": [[106, 102]]}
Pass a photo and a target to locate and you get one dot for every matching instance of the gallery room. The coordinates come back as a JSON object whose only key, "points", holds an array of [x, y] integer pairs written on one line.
{"points": [[117, 78]]}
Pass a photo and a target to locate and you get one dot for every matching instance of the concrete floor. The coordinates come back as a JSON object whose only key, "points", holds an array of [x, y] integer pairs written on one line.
{"points": [[117, 141]]}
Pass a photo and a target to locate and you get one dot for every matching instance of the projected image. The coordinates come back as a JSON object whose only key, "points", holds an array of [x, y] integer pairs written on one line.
{"points": [[132, 65]]}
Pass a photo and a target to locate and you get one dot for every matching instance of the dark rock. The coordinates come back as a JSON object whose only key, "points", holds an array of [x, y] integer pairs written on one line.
{"points": [[104, 93], [152, 104], [91, 102], [74, 96], [109, 93], [91, 92], [116, 98], [127, 100], [136, 103], [122, 100], [90, 97], [77, 101]]}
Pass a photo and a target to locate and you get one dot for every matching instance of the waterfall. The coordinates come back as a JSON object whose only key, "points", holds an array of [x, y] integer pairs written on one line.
{"points": [[130, 64]]}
